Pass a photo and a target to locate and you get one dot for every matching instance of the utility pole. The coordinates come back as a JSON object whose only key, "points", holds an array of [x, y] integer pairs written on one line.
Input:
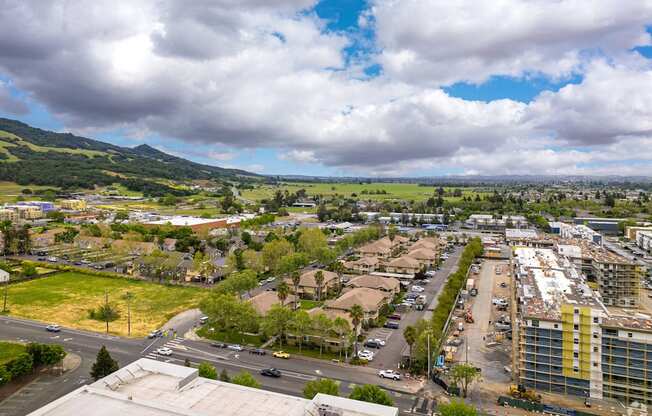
{"points": [[106, 307], [4, 277], [128, 297], [428, 340]]}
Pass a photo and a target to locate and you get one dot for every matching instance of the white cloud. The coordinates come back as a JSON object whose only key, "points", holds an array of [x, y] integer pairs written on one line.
{"points": [[221, 155], [301, 156]]}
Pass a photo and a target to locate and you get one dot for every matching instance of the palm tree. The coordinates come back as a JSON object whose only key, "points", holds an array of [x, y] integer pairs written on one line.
{"points": [[296, 279], [410, 335], [342, 328], [338, 268], [319, 280], [282, 291], [356, 313]]}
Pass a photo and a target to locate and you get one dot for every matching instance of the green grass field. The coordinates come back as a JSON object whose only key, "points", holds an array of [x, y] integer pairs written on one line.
{"points": [[403, 191], [9, 351], [42, 149], [65, 299]]}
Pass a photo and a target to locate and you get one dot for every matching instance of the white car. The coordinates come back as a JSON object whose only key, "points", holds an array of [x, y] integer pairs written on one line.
{"points": [[417, 289], [235, 347], [499, 301], [431, 273], [379, 341], [366, 355], [164, 351], [270, 279], [389, 374]]}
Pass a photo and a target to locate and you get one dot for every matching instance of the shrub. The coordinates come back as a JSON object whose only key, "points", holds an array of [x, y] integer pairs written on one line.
{"points": [[20, 365], [5, 375]]}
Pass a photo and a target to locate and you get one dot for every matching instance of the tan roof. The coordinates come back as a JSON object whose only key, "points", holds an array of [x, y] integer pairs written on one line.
{"points": [[367, 298], [375, 247], [308, 278], [423, 254], [424, 244], [404, 261], [264, 301], [331, 314], [376, 282], [363, 261]]}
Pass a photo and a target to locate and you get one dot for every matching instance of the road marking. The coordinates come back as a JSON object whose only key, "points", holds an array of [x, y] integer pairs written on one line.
{"points": [[148, 347], [55, 337], [318, 371], [67, 339]]}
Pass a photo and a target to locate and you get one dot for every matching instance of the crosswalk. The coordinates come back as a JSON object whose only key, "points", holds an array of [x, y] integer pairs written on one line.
{"points": [[174, 344], [422, 406]]}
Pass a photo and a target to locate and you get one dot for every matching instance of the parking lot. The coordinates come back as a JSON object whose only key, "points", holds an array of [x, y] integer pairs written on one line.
{"points": [[97, 259], [389, 356]]}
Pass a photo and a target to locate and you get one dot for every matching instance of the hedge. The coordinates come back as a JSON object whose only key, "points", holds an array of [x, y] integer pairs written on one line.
{"points": [[36, 355]]}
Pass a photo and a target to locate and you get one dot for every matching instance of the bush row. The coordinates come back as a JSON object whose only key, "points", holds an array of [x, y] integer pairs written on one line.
{"points": [[35, 356]]}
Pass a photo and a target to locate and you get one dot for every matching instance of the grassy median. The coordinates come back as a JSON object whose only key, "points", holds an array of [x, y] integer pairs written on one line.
{"points": [[66, 298]]}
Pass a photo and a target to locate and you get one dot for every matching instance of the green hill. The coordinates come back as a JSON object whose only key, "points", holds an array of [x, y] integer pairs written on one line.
{"points": [[31, 156]]}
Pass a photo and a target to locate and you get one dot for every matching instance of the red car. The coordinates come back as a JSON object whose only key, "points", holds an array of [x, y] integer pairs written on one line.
{"points": [[395, 316]]}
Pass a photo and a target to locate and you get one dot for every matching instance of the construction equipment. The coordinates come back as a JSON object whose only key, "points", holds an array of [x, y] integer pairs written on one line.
{"points": [[468, 317], [520, 392]]}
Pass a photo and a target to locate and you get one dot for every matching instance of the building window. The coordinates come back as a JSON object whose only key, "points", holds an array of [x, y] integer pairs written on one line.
{"points": [[595, 364], [576, 341], [595, 320], [629, 334], [576, 327], [555, 326], [535, 323], [576, 369], [595, 349], [575, 355], [577, 311], [595, 335]]}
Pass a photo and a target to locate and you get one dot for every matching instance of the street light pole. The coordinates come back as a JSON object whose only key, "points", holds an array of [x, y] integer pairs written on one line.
{"points": [[428, 340]]}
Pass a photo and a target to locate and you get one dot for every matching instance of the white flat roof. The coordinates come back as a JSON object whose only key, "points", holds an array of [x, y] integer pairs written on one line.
{"points": [[184, 221], [153, 388]]}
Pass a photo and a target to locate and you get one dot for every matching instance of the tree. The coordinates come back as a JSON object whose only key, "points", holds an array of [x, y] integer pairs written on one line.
{"points": [[274, 251], [356, 313], [464, 374], [238, 283], [29, 269], [391, 232], [224, 376], [342, 329], [282, 291], [322, 385], [319, 280], [312, 241], [20, 365], [371, 394], [245, 379], [296, 279], [104, 364], [5, 375], [228, 312], [105, 313], [207, 371], [322, 325], [277, 322], [456, 408], [410, 335], [301, 323], [253, 260]]}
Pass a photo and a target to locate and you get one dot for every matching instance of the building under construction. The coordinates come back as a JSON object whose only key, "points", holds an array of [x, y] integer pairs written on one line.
{"points": [[569, 341]]}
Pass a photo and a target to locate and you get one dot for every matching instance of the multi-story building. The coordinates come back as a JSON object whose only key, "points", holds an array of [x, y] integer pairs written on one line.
{"points": [[579, 231], [569, 341], [644, 241], [8, 215], [73, 204], [488, 222], [46, 206]]}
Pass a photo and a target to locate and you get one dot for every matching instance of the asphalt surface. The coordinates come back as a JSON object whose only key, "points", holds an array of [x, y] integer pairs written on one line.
{"points": [[296, 371]]}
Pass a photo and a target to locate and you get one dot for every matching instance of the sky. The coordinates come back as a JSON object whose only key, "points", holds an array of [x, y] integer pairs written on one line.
{"points": [[343, 87]]}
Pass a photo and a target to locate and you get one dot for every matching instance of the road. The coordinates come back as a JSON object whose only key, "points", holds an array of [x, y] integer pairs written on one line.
{"points": [[296, 371]]}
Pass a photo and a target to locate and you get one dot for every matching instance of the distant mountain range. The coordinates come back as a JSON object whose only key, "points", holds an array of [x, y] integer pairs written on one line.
{"points": [[30, 155]]}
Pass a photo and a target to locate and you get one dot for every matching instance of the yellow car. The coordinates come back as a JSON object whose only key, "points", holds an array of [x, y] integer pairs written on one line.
{"points": [[281, 354]]}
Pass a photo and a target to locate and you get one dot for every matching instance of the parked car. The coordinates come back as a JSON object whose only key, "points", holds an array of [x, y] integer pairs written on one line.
{"points": [[380, 341], [499, 302], [270, 372], [473, 292], [395, 316], [218, 345], [258, 351], [164, 351], [155, 334], [235, 347], [53, 328], [270, 279], [392, 325], [53, 259], [366, 355], [203, 320], [281, 354], [500, 326], [389, 374], [371, 343]]}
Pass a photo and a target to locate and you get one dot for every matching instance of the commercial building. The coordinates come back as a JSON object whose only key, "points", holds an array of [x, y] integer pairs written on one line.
{"points": [[644, 241], [569, 341], [46, 206], [153, 388], [527, 237], [580, 231], [488, 222], [630, 232], [73, 204], [607, 226]]}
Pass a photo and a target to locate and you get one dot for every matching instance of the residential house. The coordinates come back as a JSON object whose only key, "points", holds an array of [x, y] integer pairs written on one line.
{"points": [[384, 284], [424, 256], [264, 301], [371, 301], [378, 249], [427, 243], [403, 265], [308, 284], [363, 265]]}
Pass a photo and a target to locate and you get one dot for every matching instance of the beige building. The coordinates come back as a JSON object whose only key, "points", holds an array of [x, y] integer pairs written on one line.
{"points": [[403, 265], [73, 204], [379, 249], [384, 284], [308, 284], [264, 301], [363, 265], [9, 215], [424, 256], [371, 301]]}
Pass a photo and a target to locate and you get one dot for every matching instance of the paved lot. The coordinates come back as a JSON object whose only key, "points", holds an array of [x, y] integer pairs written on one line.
{"points": [[390, 355]]}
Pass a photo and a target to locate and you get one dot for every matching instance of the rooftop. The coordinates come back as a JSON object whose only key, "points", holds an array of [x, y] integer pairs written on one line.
{"points": [[516, 233], [148, 387], [183, 221]]}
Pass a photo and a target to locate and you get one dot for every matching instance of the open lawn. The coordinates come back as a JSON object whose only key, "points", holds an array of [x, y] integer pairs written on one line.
{"points": [[9, 351], [65, 299], [10, 190], [367, 191]]}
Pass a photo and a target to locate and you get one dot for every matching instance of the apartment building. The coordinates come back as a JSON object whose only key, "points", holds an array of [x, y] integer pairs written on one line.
{"points": [[569, 341], [488, 222], [644, 241], [578, 231], [73, 204]]}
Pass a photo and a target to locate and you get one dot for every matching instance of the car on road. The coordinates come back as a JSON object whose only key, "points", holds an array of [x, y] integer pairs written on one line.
{"points": [[258, 351], [366, 355], [281, 354], [235, 347], [53, 328], [155, 334], [262, 283], [270, 372], [389, 374], [164, 351], [85, 262], [203, 320], [392, 325], [218, 345], [53, 259]]}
